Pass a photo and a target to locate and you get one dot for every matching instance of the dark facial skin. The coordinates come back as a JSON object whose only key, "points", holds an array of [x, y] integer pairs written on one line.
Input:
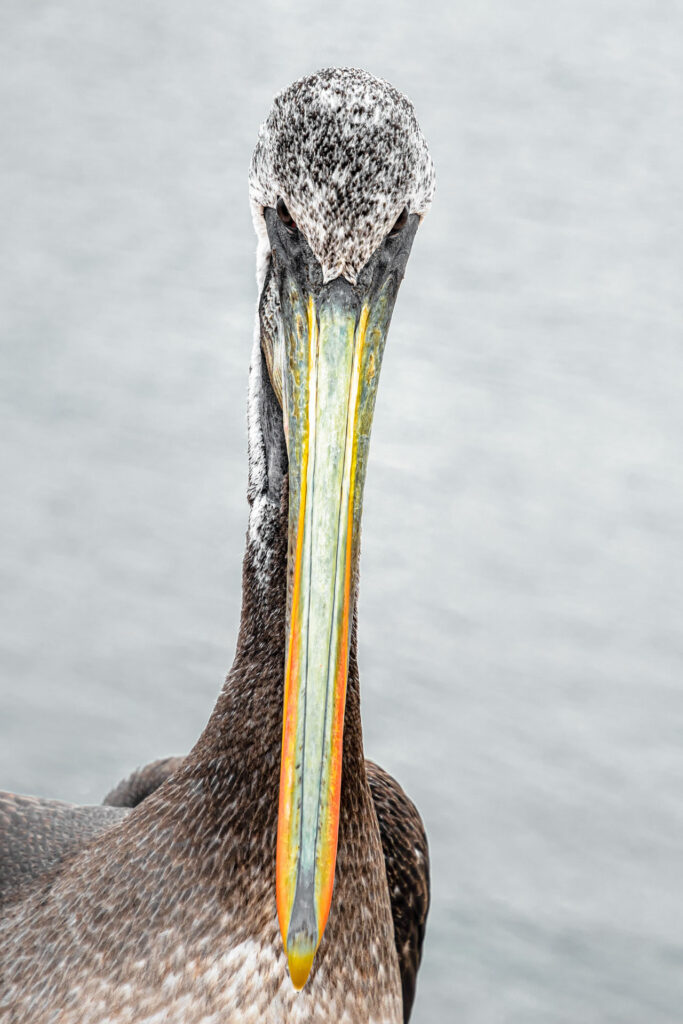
{"points": [[291, 252]]}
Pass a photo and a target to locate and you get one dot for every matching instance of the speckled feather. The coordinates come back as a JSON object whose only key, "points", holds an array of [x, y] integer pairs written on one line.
{"points": [[345, 152], [37, 833], [171, 912], [140, 784], [404, 845]]}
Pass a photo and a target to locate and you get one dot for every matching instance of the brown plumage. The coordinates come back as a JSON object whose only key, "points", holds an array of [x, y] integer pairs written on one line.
{"points": [[137, 786], [189, 872], [404, 845], [37, 834]]}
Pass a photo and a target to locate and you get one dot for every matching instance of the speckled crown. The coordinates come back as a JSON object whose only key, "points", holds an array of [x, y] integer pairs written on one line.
{"points": [[345, 152]]}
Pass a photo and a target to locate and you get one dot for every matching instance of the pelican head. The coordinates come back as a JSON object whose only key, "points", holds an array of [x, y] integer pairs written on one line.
{"points": [[339, 181]]}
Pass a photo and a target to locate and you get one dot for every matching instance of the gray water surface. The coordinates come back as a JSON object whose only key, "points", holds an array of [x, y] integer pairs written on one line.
{"points": [[522, 574]]}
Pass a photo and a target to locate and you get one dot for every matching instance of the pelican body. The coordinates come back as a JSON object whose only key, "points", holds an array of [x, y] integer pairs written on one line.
{"points": [[273, 874]]}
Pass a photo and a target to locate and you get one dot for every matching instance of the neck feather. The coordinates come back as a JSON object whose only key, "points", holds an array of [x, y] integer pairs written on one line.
{"points": [[247, 719]]}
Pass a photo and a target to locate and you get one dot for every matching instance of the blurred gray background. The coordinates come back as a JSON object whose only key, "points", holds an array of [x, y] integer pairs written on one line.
{"points": [[522, 585]]}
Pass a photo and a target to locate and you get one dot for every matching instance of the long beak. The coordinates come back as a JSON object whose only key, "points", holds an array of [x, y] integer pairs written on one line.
{"points": [[333, 351]]}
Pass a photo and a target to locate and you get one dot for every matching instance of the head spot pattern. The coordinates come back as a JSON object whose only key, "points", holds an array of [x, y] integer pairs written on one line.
{"points": [[345, 152]]}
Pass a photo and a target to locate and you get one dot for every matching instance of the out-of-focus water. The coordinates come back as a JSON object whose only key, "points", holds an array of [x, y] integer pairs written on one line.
{"points": [[522, 574]]}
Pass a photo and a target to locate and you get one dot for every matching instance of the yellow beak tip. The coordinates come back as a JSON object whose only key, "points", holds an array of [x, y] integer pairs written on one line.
{"points": [[300, 957]]}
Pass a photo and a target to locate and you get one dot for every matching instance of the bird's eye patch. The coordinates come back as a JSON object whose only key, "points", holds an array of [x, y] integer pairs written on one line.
{"points": [[285, 216], [401, 222]]}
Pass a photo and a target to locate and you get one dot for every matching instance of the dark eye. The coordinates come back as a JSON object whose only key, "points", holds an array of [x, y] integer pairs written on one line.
{"points": [[285, 216], [400, 223]]}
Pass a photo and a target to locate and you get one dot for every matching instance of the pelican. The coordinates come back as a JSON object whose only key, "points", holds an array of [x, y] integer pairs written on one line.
{"points": [[273, 874]]}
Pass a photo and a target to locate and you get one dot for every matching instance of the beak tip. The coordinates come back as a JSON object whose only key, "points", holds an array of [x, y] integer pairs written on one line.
{"points": [[300, 954]]}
